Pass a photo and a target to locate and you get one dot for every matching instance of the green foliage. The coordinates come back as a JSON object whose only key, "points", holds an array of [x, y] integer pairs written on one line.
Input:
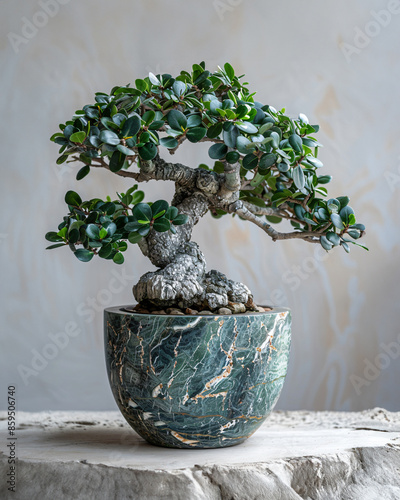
{"points": [[103, 227], [277, 154]]}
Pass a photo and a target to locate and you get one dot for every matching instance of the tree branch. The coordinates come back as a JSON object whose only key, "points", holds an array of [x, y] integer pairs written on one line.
{"points": [[276, 212], [102, 164], [239, 208], [230, 181], [159, 169]]}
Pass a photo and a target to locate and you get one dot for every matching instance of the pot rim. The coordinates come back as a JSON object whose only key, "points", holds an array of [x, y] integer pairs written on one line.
{"points": [[123, 311]]}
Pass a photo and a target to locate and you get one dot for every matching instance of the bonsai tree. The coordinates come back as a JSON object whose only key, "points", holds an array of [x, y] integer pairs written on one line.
{"points": [[264, 169]]}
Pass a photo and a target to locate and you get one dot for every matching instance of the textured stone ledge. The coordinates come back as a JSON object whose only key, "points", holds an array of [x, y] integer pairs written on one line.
{"points": [[294, 455]]}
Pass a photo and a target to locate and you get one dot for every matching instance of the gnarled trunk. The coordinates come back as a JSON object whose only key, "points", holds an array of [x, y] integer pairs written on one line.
{"points": [[182, 279]]}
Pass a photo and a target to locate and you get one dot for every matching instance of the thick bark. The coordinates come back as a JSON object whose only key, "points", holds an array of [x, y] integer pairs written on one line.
{"points": [[182, 280]]}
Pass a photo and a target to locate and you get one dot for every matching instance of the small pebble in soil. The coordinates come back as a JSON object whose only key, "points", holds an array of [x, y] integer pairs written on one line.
{"points": [[236, 307], [232, 308], [173, 310], [191, 311]]}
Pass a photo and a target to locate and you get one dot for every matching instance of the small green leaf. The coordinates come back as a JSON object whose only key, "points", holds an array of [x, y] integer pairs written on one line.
{"points": [[157, 124], [193, 121], [124, 150], [275, 138], [296, 143], [148, 151], [57, 245], [154, 80], [131, 126], [83, 255], [162, 225], [83, 172], [351, 219], [118, 258], [354, 233], [345, 214], [230, 137], [180, 219], [343, 200], [298, 177], [333, 238], [214, 130], [134, 237], [171, 213], [324, 179], [159, 206], [62, 232], [169, 142], [148, 116], [109, 137], [105, 251], [142, 211], [250, 161], [242, 143], [117, 161], [299, 211], [266, 161], [327, 245], [61, 159], [141, 85], [345, 246], [176, 120], [273, 219], [247, 127], [229, 71], [53, 237], [337, 221], [78, 137], [137, 197], [93, 231], [73, 235], [179, 88], [122, 246], [265, 126], [333, 205], [314, 161], [195, 134], [132, 226], [102, 233], [232, 157], [144, 230], [73, 199], [217, 151], [303, 119]]}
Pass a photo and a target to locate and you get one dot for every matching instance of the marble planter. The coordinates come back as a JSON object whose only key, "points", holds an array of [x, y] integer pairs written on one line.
{"points": [[196, 381]]}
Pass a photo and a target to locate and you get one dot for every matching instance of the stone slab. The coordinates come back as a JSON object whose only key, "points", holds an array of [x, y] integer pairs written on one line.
{"points": [[294, 455]]}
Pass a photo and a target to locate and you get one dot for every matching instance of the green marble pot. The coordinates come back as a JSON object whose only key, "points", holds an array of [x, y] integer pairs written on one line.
{"points": [[196, 381]]}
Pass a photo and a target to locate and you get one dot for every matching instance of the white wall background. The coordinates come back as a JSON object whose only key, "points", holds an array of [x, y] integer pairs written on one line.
{"points": [[345, 307]]}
